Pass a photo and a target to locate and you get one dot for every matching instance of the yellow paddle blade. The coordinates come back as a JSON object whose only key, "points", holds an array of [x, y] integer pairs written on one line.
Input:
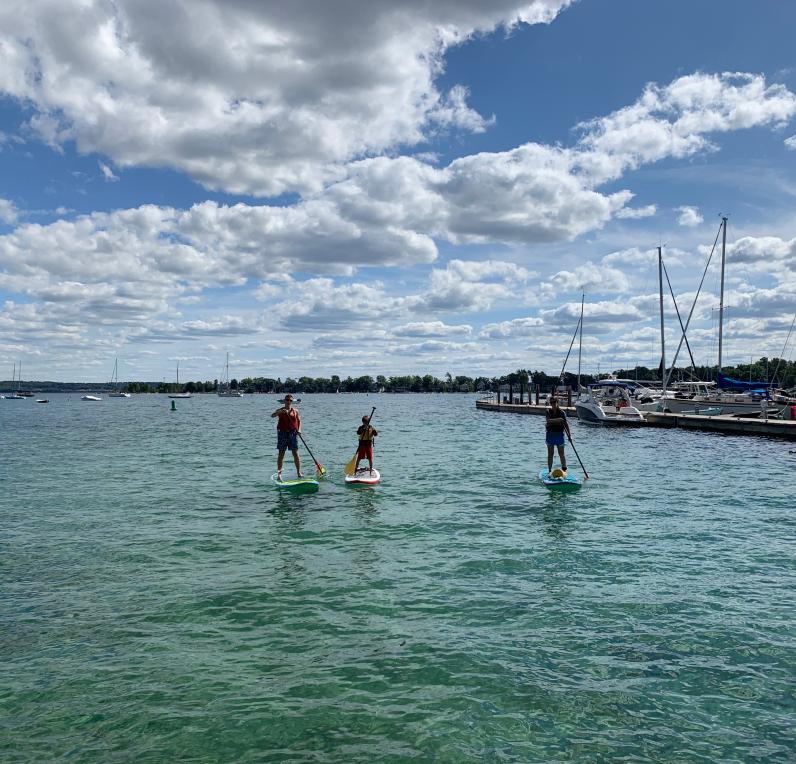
{"points": [[351, 466]]}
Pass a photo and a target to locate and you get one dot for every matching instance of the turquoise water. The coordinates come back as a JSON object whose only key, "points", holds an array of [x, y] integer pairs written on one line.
{"points": [[161, 601]]}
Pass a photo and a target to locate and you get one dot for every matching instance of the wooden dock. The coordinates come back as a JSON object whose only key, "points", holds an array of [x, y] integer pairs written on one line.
{"points": [[726, 423], [519, 408]]}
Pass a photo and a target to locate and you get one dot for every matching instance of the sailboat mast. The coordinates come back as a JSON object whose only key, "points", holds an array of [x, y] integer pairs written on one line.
{"points": [[721, 295], [663, 341], [580, 341]]}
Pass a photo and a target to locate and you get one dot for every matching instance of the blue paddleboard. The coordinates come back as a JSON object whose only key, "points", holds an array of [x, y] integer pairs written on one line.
{"points": [[565, 482], [296, 485]]}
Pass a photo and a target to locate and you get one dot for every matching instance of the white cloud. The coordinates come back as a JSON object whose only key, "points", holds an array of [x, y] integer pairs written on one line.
{"points": [[635, 213], [791, 142], [689, 216], [431, 329], [589, 277], [320, 305], [673, 120], [107, 173], [251, 98], [8, 211], [464, 286], [517, 327], [225, 326]]}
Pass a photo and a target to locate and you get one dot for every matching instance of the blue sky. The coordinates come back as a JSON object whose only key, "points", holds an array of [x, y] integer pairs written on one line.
{"points": [[380, 189]]}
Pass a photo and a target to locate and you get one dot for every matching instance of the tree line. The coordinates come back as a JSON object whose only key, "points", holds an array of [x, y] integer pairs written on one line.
{"points": [[761, 370]]}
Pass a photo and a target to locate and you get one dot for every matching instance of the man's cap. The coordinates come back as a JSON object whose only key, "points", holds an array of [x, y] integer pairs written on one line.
{"points": [[288, 397]]}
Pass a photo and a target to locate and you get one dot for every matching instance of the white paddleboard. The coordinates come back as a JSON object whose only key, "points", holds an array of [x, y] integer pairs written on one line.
{"points": [[363, 476]]}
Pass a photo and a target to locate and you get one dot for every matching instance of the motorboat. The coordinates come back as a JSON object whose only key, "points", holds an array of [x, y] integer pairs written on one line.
{"points": [[42, 400], [608, 402], [91, 398]]}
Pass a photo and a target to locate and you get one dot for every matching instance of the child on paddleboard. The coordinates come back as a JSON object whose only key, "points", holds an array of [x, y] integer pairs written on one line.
{"points": [[365, 451], [287, 428], [555, 426]]}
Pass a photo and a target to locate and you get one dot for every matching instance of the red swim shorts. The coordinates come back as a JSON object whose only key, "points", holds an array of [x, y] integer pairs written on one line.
{"points": [[365, 450]]}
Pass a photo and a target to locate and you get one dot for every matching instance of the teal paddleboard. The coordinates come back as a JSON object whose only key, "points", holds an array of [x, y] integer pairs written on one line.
{"points": [[296, 485], [565, 482]]}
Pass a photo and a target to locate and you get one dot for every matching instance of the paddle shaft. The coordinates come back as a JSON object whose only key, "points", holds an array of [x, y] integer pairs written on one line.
{"points": [[569, 438], [317, 464]]}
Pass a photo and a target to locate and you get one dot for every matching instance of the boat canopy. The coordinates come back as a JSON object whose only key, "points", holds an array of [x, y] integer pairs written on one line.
{"points": [[728, 383], [613, 383]]}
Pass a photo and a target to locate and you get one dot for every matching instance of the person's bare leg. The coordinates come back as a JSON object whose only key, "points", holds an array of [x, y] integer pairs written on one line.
{"points": [[563, 458], [279, 459], [549, 458], [297, 462]]}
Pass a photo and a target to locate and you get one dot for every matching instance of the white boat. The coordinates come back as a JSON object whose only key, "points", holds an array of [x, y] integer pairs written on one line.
{"points": [[224, 390], [608, 402], [91, 398], [115, 392], [179, 395]]}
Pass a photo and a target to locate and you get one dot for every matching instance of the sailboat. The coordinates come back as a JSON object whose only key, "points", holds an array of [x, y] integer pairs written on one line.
{"points": [[115, 392], [179, 395], [17, 396], [224, 390], [704, 398]]}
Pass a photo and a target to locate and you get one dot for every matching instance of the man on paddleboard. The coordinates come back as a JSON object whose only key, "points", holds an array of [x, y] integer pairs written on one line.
{"points": [[365, 450], [555, 426], [287, 428]]}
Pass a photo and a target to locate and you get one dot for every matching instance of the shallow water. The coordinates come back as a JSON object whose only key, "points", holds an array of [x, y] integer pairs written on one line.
{"points": [[160, 600]]}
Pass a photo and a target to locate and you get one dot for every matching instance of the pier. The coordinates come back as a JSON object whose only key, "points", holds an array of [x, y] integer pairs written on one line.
{"points": [[725, 423], [519, 408]]}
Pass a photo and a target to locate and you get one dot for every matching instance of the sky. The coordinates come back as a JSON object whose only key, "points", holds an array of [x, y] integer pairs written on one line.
{"points": [[371, 187]]}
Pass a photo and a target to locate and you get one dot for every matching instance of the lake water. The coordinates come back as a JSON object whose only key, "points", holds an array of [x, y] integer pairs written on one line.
{"points": [[160, 600]]}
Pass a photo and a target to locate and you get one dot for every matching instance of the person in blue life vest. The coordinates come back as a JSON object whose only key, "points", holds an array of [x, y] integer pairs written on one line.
{"points": [[287, 428], [555, 426]]}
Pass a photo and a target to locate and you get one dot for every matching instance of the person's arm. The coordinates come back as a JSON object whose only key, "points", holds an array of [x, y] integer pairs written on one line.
{"points": [[277, 412], [566, 423]]}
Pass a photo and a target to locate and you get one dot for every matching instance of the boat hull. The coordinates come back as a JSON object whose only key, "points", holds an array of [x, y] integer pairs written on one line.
{"points": [[593, 414]]}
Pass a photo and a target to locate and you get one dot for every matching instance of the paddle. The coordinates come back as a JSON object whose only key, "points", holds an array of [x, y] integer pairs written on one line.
{"points": [[569, 438], [320, 469], [351, 466]]}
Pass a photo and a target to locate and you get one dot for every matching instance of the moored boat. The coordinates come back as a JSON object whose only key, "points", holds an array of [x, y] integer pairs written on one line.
{"points": [[608, 402]]}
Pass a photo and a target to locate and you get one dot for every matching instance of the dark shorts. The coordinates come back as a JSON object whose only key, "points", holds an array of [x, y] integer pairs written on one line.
{"points": [[554, 438], [286, 439], [365, 450]]}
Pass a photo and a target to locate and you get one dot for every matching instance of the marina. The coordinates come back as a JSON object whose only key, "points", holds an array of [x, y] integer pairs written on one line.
{"points": [[727, 423]]}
